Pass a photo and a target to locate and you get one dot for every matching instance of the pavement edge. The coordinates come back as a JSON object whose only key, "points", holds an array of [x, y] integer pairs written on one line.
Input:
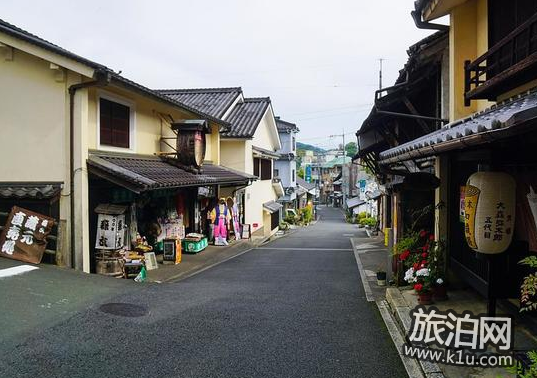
{"points": [[396, 317]]}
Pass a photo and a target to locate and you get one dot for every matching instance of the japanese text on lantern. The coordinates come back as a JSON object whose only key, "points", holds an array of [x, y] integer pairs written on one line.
{"points": [[470, 204]]}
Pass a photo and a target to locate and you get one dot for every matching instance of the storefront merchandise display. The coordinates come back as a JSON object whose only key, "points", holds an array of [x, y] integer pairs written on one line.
{"points": [[220, 218]]}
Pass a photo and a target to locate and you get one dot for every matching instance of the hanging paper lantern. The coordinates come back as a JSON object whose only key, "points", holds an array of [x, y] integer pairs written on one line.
{"points": [[489, 211]]}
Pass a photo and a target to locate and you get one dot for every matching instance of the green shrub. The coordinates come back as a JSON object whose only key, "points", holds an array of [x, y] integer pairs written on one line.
{"points": [[306, 214], [368, 221], [290, 219], [362, 215]]}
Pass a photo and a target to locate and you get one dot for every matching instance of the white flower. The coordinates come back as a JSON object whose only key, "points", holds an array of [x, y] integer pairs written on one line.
{"points": [[409, 275], [439, 281], [423, 272]]}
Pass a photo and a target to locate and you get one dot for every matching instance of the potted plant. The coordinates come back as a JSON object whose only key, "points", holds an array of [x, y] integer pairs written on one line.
{"points": [[422, 261], [439, 290], [381, 277]]}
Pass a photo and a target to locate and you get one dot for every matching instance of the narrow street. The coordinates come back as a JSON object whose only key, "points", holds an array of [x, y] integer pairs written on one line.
{"points": [[292, 308]]}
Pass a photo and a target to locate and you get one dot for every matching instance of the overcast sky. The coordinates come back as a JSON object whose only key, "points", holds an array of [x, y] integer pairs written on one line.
{"points": [[317, 60]]}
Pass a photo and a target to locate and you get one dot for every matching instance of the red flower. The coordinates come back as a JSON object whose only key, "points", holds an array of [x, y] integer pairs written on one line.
{"points": [[423, 233], [423, 262], [425, 248], [431, 237], [403, 256], [418, 287], [416, 266], [424, 255]]}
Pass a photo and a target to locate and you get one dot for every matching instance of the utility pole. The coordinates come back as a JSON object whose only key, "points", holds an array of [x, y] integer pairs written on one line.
{"points": [[342, 135], [380, 73]]}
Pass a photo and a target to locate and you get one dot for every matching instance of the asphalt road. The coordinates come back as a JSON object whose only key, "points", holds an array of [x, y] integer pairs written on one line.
{"points": [[292, 308]]}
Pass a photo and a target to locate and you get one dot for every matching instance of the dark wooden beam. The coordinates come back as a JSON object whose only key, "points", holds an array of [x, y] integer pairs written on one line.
{"points": [[413, 110]]}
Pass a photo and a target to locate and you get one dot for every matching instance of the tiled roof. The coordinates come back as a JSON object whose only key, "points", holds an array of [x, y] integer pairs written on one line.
{"points": [[285, 126], [353, 202], [264, 152], [272, 206], [146, 172], [245, 117], [306, 185], [499, 121], [35, 190], [19, 33], [213, 101]]}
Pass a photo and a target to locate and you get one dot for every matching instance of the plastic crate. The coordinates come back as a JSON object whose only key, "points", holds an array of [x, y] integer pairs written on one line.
{"points": [[194, 246]]}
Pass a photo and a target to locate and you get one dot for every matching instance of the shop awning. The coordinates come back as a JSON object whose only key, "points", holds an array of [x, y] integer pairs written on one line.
{"points": [[140, 173], [272, 206], [34, 190], [500, 121], [353, 202], [374, 194]]}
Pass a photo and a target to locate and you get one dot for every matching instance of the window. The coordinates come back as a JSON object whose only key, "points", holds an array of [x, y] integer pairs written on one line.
{"points": [[256, 166], [266, 169], [294, 144], [115, 124], [276, 172], [263, 168], [293, 175]]}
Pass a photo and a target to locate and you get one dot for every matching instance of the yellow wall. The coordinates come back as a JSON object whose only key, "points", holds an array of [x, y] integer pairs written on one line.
{"points": [[233, 154], [33, 114], [150, 121], [468, 39]]}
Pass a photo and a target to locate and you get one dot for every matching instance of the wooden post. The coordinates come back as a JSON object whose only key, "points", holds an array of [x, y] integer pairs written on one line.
{"points": [[62, 256]]}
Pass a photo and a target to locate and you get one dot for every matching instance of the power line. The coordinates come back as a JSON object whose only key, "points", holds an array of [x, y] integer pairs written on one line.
{"points": [[329, 110]]}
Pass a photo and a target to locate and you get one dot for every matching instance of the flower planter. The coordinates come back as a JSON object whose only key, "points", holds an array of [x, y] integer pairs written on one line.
{"points": [[425, 298], [440, 293], [381, 278]]}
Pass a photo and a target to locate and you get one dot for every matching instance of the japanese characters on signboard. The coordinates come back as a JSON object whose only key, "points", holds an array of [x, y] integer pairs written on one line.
{"points": [[110, 231], [24, 235]]}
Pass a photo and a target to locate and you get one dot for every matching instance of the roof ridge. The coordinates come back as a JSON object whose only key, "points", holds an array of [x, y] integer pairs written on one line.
{"points": [[200, 90], [257, 99]]}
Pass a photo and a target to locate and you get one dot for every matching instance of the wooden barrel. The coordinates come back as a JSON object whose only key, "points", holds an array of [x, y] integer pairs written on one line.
{"points": [[107, 264]]}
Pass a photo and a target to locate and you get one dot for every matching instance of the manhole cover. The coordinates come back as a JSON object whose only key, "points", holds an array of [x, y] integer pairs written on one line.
{"points": [[124, 309]]}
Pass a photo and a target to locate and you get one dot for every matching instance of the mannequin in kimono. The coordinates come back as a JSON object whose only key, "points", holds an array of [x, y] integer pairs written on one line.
{"points": [[220, 217], [234, 224]]}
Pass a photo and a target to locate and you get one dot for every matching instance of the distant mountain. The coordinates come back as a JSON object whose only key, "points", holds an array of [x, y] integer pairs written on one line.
{"points": [[305, 146]]}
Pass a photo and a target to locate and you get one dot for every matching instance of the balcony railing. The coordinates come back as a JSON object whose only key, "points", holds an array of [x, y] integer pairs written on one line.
{"points": [[508, 64]]}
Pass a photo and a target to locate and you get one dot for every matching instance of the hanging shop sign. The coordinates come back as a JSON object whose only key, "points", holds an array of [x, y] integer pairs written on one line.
{"points": [[462, 195], [110, 231], [24, 235], [206, 191], [489, 211], [191, 142]]}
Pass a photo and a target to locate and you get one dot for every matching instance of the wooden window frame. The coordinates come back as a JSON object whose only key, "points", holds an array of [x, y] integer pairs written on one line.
{"points": [[264, 170], [132, 122]]}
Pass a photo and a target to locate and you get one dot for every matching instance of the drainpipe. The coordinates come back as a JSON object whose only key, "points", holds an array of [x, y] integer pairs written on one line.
{"points": [[102, 78], [420, 24]]}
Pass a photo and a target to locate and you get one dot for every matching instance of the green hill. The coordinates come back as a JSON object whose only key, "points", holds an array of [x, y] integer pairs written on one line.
{"points": [[305, 146]]}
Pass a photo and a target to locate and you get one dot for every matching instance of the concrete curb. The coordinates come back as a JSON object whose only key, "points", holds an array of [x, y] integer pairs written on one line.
{"points": [[396, 316], [365, 282], [182, 276], [411, 365], [401, 312]]}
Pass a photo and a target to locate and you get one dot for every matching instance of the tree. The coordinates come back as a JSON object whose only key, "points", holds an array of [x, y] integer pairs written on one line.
{"points": [[351, 148], [300, 172]]}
